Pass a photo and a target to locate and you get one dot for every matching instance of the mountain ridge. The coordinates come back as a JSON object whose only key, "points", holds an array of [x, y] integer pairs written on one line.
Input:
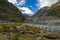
{"points": [[55, 10], [46, 14], [9, 12], [45, 11]]}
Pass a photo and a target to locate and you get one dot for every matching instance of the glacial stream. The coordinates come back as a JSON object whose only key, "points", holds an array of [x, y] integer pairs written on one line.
{"points": [[50, 28]]}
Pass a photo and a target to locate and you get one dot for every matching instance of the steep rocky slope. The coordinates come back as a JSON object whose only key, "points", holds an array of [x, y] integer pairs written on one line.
{"points": [[40, 14], [9, 12]]}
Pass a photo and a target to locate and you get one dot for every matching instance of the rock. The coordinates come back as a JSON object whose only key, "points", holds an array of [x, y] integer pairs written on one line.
{"points": [[51, 36]]}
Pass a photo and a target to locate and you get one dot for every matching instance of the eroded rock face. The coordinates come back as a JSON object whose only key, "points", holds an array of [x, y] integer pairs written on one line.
{"points": [[40, 13]]}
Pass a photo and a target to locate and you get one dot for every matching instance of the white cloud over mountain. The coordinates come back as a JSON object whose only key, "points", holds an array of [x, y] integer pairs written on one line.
{"points": [[22, 2], [26, 11], [13, 1], [39, 4], [43, 3]]}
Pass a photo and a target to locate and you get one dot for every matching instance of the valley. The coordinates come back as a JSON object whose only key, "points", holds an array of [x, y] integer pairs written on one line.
{"points": [[44, 25]]}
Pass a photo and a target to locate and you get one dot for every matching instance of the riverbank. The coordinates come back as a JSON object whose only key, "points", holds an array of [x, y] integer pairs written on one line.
{"points": [[25, 32]]}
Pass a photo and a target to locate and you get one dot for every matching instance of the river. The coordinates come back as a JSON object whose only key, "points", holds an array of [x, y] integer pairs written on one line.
{"points": [[52, 28]]}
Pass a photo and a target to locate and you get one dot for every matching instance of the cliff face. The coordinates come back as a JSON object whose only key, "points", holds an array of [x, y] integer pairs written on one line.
{"points": [[9, 12], [40, 13]]}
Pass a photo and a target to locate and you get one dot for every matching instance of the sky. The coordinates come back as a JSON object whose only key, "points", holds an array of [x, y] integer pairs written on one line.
{"points": [[30, 7]]}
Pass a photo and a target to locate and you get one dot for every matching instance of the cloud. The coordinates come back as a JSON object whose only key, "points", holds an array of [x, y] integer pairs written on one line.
{"points": [[21, 2], [26, 11], [42, 3], [13, 1]]}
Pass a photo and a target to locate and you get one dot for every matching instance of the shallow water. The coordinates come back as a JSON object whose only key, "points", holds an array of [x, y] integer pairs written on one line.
{"points": [[51, 28]]}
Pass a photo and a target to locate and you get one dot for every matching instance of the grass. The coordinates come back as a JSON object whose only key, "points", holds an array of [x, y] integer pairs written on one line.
{"points": [[3, 38]]}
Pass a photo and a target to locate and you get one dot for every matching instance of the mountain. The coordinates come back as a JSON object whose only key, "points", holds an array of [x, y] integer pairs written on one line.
{"points": [[9, 12], [41, 12], [54, 10], [26, 15], [47, 13]]}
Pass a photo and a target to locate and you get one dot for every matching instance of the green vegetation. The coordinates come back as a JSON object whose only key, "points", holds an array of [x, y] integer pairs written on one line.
{"points": [[54, 10], [24, 32], [3, 38], [9, 12]]}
